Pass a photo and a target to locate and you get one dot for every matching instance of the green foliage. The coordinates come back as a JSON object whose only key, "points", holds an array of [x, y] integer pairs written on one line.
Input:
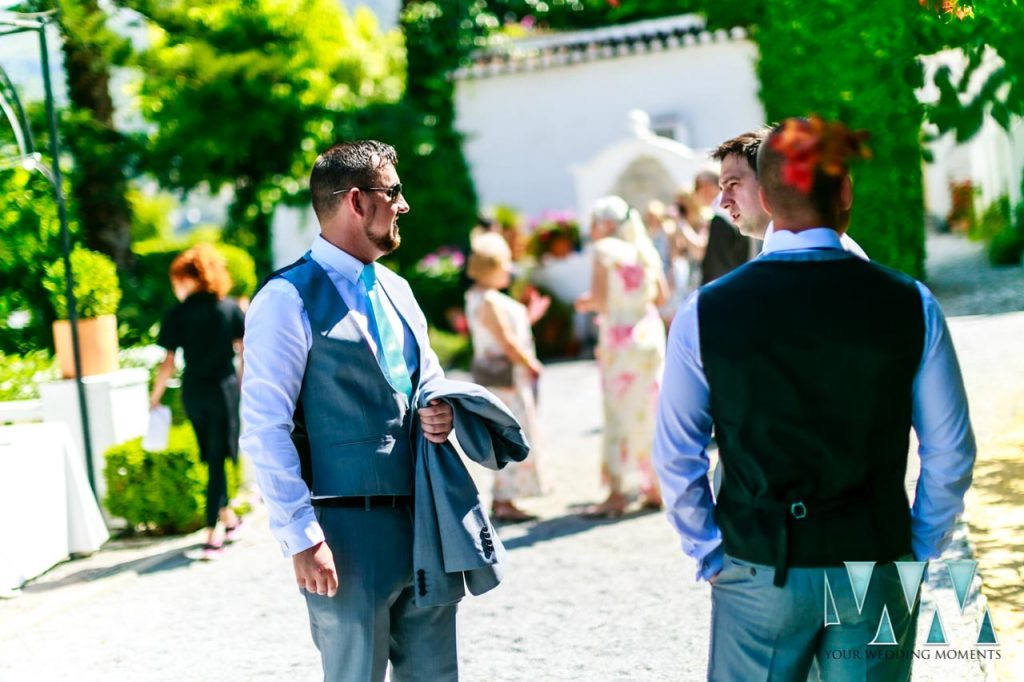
{"points": [[101, 153], [147, 292], [581, 14], [995, 219], [437, 281], [979, 29], [439, 37], [96, 287], [30, 238], [151, 214], [857, 63], [163, 491], [19, 373], [453, 350], [246, 94], [242, 269], [1006, 246], [1003, 229]]}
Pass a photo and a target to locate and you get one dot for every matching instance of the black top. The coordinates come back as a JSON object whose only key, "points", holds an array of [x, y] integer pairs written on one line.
{"points": [[811, 366], [206, 328], [727, 250]]}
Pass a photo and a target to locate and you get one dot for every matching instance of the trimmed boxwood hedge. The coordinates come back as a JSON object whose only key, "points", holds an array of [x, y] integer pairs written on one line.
{"points": [[162, 492]]}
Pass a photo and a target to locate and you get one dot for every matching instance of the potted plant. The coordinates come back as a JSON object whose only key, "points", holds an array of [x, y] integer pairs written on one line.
{"points": [[556, 235], [97, 294]]}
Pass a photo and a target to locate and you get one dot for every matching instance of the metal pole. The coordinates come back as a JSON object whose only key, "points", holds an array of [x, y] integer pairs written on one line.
{"points": [[65, 243]]}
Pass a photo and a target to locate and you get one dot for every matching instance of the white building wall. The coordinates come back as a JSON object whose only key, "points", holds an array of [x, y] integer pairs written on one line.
{"points": [[525, 130]]}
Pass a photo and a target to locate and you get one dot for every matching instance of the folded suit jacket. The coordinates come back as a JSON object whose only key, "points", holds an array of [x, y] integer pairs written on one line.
{"points": [[455, 547]]}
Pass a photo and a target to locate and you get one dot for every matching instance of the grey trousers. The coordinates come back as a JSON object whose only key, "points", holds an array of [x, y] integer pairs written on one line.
{"points": [[763, 632], [372, 619]]}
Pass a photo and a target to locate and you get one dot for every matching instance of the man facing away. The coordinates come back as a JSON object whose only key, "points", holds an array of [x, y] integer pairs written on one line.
{"points": [[812, 365], [335, 350]]}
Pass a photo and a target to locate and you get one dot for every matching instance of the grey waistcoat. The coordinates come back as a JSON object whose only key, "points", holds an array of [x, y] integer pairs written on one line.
{"points": [[352, 429]]}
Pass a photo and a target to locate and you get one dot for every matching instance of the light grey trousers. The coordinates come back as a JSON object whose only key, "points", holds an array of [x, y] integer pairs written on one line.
{"points": [[763, 632], [372, 619]]}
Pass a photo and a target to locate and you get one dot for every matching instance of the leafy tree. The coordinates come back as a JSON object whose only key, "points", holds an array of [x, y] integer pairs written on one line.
{"points": [[98, 177], [981, 30], [439, 36], [244, 94]]}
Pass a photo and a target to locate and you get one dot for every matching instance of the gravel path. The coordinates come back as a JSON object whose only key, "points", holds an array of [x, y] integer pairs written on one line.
{"points": [[583, 600]]}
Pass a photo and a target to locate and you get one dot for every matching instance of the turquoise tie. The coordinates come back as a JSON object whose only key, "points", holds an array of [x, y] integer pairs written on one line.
{"points": [[389, 352]]}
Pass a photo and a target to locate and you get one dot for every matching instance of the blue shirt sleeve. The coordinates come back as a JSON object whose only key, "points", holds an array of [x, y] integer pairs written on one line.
{"points": [[943, 428], [680, 444]]}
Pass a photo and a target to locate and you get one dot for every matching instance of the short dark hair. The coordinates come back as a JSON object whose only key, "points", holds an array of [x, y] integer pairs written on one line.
{"points": [[784, 197], [346, 164], [745, 145]]}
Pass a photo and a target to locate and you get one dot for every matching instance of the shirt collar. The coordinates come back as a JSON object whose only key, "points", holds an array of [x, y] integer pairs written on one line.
{"points": [[342, 262], [814, 238]]}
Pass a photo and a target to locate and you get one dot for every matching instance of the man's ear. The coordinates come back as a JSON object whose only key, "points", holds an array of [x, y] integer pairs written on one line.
{"points": [[764, 201], [355, 196], [846, 193]]}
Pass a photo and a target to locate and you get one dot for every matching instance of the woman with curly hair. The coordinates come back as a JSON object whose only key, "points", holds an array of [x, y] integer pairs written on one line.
{"points": [[208, 327]]}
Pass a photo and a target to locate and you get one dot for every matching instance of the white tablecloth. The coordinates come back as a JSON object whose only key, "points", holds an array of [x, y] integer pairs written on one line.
{"points": [[46, 508]]}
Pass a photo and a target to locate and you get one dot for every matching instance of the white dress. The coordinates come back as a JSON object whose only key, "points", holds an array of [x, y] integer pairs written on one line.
{"points": [[518, 479]]}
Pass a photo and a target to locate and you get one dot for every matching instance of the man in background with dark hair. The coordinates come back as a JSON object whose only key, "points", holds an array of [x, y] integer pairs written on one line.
{"points": [[336, 350], [726, 249], [812, 365]]}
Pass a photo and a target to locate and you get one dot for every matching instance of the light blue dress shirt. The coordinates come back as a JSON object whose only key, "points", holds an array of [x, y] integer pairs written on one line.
{"points": [[277, 343], [940, 419]]}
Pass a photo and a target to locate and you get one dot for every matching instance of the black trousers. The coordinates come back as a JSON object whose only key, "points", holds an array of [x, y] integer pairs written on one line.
{"points": [[213, 410]]}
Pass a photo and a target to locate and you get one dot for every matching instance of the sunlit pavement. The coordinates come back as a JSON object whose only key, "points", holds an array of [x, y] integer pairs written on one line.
{"points": [[582, 600]]}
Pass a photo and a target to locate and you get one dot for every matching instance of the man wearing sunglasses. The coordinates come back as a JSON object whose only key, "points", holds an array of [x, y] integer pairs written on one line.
{"points": [[336, 351]]}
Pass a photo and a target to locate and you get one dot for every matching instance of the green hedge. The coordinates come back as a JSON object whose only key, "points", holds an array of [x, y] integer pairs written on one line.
{"points": [[437, 282], [29, 240], [18, 374], [161, 492], [857, 63], [1006, 247], [454, 351]]}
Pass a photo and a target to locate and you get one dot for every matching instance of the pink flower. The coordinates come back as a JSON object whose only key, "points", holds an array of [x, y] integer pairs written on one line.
{"points": [[622, 383], [632, 276], [620, 335]]}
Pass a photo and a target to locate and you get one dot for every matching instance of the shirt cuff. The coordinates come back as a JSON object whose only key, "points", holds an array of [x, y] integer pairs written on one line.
{"points": [[711, 565], [925, 550], [300, 534]]}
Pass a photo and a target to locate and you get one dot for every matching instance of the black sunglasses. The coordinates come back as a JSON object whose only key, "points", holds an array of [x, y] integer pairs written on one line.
{"points": [[393, 192]]}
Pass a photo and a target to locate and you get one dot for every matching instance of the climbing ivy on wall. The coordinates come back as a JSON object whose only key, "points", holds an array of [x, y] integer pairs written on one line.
{"points": [[857, 62]]}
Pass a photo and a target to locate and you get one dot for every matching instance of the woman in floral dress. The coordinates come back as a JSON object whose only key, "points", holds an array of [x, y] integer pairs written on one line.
{"points": [[500, 328], [628, 286]]}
